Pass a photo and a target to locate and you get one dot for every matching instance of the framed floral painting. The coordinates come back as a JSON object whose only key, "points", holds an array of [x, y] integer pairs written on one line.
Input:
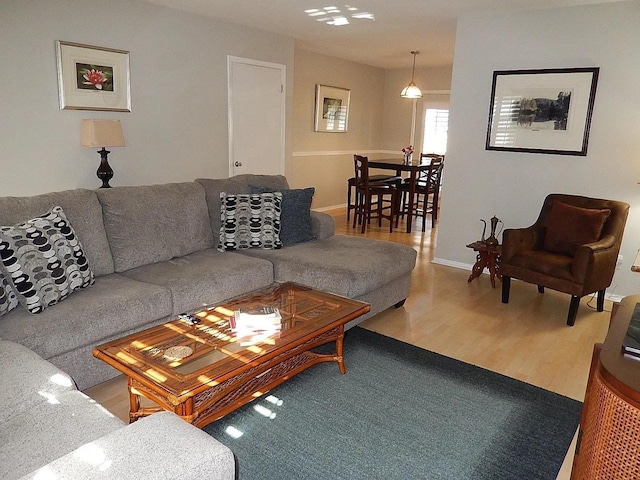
{"points": [[93, 78]]}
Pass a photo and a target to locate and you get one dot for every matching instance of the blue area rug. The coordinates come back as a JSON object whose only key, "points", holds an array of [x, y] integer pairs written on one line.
{"points": [[400, 412]]}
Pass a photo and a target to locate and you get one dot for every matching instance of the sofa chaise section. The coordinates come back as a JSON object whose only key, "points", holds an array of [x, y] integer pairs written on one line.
{"points": [[373, 271], [48, 429], [161, 446]]}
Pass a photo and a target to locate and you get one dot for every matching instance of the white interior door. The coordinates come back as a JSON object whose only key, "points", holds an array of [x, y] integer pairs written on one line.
{"points": [[256, 116]]}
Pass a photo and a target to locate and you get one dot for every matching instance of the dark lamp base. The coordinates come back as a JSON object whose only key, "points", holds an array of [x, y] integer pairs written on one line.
{"points": [[105, 172]]}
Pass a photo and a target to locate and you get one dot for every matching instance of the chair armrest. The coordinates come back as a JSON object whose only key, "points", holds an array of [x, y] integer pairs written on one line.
{"points": [[322, 225], [595, 259], [515, 240]]}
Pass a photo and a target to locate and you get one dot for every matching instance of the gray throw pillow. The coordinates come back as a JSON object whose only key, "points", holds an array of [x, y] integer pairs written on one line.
{"points": [[250, 221], [8, 299], [295, 219], [44, 260]]}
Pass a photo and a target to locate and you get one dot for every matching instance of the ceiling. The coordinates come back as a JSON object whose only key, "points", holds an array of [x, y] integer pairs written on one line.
{"points": [[399, 26]]}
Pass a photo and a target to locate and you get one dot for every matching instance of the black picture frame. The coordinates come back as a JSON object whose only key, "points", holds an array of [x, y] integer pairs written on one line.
{"points": [[542, 111]]}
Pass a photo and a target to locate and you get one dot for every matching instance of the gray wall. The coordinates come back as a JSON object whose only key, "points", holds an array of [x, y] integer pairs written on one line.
{"points": [[480, 183], [177, 129]]}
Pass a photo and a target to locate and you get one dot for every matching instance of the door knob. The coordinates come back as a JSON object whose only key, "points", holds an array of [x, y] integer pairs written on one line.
{"points": [[238, 164]]}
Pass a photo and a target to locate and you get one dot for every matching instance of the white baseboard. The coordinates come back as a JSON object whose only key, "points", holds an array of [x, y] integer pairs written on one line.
{"points": [[468, 267], [449, 263], [330, 207]]}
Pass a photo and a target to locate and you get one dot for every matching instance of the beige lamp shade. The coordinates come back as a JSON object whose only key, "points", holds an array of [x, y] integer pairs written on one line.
{"points": [[102, 133]]}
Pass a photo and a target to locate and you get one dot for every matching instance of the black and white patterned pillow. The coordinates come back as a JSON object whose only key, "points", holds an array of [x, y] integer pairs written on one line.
{"points": [[250, 221], [43, 260], [8, 299]]}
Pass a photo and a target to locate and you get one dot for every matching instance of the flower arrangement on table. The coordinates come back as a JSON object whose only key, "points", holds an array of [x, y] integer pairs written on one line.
{"points": [[408, 151]]}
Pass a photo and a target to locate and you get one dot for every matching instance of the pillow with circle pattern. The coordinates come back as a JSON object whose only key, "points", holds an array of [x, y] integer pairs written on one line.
{"points": [[8, 299], [43, 260], [250, 221]]}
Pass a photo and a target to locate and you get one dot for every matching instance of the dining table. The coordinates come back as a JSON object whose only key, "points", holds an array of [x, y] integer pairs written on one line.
{"points": [[399, 165]]}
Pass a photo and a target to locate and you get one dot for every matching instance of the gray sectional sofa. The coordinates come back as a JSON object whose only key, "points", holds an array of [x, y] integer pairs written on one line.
{"points": [[153, 254]]}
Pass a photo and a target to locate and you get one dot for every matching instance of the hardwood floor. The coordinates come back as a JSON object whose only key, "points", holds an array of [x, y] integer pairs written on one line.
{"points": [[526, 339]]}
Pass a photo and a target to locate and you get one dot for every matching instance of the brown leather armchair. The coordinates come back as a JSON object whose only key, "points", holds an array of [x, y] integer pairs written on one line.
{"points": [[572, 248]]}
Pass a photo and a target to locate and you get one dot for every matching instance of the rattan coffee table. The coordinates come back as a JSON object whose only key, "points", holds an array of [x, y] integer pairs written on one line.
{"points": [[220, 372]]}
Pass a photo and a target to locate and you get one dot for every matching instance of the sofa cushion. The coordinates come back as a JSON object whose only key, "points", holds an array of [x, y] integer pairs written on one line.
{"points": [[213, 188], [154, 223], [114, 304], [50, 430], [206, 277], [569, 227], [250, 221], [8, 299], [348, 266], [83, 211], [160, 446], [295, 220], [546, 263], [272, 182], [27, 380], [43, 260]]}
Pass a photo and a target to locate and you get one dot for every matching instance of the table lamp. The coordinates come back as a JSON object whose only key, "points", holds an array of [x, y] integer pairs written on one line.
{"points": [[102, 133]]}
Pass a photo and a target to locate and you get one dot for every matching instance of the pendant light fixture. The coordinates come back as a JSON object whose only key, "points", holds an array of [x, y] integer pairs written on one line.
{"points": [[411, 90]]}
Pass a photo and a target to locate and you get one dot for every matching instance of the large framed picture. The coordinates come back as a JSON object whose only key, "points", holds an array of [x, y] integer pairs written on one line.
{"points": [[542, 111], [93, 78], [332, 109]]}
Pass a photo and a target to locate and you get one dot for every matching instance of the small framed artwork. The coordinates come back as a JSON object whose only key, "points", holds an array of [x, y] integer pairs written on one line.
{"points": [[542, 111], [332, 109], [93, 78]]}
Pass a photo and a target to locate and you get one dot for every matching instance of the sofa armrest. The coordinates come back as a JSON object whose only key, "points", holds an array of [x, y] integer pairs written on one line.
{"points": [[322, 224], [161, 445], [27, 379]]}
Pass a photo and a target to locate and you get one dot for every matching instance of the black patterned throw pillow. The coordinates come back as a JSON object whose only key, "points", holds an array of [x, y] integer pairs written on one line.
{"points": [[295, 219], [43, 260], [250, 221], [8, 299]]}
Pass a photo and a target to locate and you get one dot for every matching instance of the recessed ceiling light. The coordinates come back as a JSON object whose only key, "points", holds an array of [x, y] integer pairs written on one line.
{"points": [[338, 21], [364, 15], [334, 16]]}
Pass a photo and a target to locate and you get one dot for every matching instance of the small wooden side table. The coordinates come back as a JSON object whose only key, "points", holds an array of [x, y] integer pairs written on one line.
{"points": [[488, 257]]}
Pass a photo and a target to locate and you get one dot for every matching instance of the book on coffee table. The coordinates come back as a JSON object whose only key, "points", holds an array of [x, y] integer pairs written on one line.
{"points": [[257, 319], [631, 341], [255, 325]]}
